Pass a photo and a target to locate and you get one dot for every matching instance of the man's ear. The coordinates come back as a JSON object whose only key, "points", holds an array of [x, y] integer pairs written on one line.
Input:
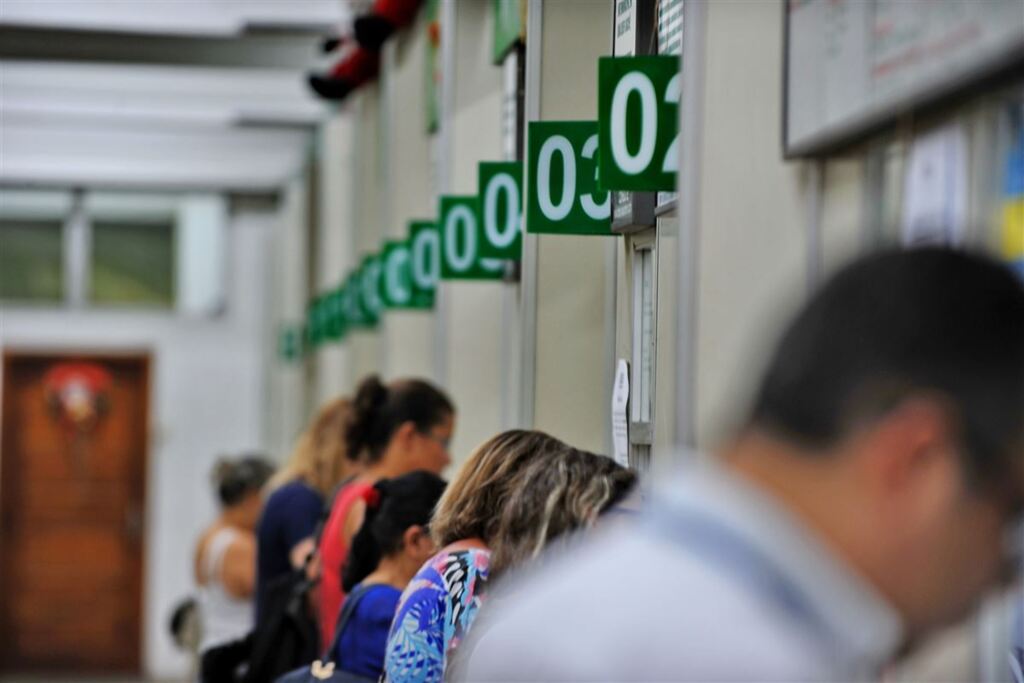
{"points": [[910, 454]]}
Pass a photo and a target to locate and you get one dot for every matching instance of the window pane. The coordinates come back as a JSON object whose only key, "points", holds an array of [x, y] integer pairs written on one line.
{"points": [[132, 263], [31, 264]]}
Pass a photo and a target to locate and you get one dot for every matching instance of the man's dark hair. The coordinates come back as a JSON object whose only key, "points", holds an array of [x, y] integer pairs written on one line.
{"points": [[896, 324]]}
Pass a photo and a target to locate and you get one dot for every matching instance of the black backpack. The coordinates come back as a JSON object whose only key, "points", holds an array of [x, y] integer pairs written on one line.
{"points": [[287, 635]]}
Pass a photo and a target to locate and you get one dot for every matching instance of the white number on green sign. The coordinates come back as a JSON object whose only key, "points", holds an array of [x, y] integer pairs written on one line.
{"points": [[638, 104], [563, 195]]}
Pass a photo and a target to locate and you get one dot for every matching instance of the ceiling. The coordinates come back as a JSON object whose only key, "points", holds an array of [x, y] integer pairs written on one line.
{"points": [[162, 94]]}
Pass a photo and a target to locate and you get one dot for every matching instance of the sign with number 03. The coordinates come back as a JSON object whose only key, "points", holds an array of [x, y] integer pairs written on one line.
{"points": [[461, 240], [638, 116], [562, 190], [501, 209]]}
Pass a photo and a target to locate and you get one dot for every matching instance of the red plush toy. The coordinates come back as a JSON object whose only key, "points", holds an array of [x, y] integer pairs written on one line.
{"points": [[386, 17], [357, 67], [361, 62]]}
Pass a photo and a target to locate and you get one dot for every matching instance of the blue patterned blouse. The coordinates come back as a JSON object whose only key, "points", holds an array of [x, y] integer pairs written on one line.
{"points": [[434, 614]]}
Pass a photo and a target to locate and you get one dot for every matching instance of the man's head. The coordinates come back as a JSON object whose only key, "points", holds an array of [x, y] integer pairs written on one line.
{"points": [[900, 388]]}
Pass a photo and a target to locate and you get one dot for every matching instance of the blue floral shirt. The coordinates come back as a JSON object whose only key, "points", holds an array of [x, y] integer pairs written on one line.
{"points": [[434, 614]]}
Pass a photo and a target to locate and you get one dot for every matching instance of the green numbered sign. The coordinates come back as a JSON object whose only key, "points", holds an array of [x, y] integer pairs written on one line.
{"points": [[310, 327], [334, 315], [355, 317], [396, 286], [313, 331], [638, 116], [289, 346], [461, 239], [501, 209], [507, 27], [319, 319], [369, 289], [424, 262], [396, 275], [562, 194]]}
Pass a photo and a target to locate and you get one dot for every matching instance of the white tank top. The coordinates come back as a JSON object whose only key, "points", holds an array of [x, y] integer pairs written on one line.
{"points": [[224, 618]]}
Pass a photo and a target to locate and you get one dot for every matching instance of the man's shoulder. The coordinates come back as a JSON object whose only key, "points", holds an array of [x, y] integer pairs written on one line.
{"points": [[673, 614]]}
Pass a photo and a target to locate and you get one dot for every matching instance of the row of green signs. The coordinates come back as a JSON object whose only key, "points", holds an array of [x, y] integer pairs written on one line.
{"points": [[571, 168]]}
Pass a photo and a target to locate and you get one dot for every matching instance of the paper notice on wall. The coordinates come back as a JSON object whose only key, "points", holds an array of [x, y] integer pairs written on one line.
{"points": [[935, 189], [624, 43], [620, 424]]}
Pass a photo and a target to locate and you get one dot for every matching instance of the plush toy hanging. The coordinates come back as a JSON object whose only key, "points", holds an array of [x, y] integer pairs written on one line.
{"points": [[387, 16], [360, 62], [357, 67]]}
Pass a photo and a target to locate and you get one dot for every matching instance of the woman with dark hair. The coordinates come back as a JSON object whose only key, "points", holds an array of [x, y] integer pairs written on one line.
{"points": [[390, 547], [394, 429], [225, 562]]}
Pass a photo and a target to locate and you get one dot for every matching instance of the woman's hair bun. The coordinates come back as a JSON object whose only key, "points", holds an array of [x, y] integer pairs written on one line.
{"points": [[370, 397]]}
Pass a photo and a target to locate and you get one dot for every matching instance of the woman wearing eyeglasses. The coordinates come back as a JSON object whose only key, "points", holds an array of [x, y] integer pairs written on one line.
{"points": [[394, 429]]}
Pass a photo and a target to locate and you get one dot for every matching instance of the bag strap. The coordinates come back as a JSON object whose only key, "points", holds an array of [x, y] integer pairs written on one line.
{"points": [[347, 610], [321, 523]]}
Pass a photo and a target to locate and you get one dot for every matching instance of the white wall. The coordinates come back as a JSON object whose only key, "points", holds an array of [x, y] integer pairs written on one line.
{"points": [[572, 373], [333, 254], [409, 190], [473, 332], [752, 240], [207, 384], [285, 402]]}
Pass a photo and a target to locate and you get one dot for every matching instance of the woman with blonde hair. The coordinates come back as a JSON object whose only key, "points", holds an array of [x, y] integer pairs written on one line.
{"points": [[298, 494], [517, 492]]}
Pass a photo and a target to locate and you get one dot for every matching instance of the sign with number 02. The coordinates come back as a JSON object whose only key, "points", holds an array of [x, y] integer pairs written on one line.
{"points": [[638, 117]]}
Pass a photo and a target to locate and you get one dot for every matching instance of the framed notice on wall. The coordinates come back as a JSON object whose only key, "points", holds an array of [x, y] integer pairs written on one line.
{"points": [[852, 66]]}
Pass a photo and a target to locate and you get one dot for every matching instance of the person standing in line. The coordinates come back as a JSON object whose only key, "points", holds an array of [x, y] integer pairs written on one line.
{"points": [[865, 502], [517, 493], [297, 495], [394, 429], [225, 566], [391, 545]]}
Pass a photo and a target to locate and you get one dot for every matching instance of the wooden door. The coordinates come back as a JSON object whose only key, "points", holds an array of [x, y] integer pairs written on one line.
{"points": [[71, 513]]}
